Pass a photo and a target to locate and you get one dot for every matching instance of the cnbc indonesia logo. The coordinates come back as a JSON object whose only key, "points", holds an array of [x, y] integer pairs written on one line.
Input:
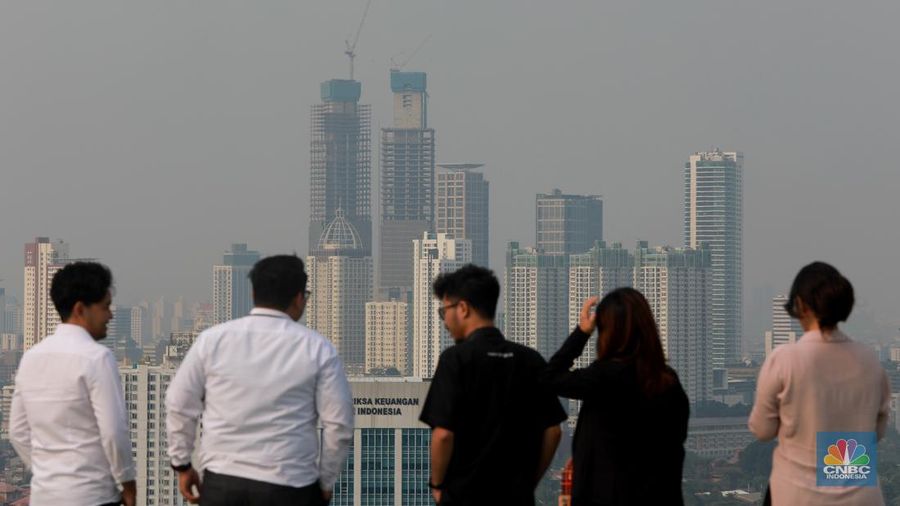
{"points": [[846, 460]]}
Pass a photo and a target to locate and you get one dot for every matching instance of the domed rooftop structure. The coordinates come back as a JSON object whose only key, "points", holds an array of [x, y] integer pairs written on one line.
{"points": [[339, 237]]}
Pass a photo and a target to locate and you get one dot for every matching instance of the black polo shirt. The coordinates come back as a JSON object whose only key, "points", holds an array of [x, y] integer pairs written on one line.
{"points": [[485, 390]]}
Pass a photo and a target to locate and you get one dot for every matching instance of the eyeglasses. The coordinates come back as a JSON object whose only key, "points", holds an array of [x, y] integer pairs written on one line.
{"points": [[442, 311]]}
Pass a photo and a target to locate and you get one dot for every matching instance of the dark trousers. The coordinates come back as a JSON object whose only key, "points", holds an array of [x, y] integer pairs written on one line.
{"points": [[224, 490]]}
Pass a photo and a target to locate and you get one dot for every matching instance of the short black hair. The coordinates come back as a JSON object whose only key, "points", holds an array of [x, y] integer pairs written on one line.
{"points": [[277, 280], [825, 291], [85, 282], [475, 285]]}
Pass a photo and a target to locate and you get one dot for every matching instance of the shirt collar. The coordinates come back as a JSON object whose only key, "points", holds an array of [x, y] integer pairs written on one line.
{"points": [[485, 332], [264, 311], [835, 336], [73, 331]]}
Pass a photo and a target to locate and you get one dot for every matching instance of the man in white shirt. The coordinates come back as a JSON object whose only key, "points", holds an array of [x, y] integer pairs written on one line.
{"points": [[263, 385], [68, 421]]}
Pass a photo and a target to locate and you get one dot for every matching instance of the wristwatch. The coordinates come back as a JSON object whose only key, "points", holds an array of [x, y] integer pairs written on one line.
{"points": [[182, 468], [435, 487]]}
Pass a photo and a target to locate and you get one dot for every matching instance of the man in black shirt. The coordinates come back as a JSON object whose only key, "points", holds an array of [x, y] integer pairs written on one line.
{"points": [[494, 428]]}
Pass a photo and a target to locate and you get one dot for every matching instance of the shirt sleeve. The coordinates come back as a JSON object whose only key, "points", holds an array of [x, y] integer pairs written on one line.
{"points": [[184, 405], [108, 403], [558, 377], [334, 403], [764, 418], [551, 410], [442, 402], [19, 429]]}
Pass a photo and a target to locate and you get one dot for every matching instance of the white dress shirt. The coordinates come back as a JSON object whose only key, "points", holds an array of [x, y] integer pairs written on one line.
{"points": [[263, 384], [68, 421]]}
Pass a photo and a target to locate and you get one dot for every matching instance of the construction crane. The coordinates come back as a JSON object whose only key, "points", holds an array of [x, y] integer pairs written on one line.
{"points": [[399, 66], [351, 47]]}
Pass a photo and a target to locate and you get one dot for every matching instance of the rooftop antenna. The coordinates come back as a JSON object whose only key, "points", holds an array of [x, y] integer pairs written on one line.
{"points": [[351, 47], [395, 66]]}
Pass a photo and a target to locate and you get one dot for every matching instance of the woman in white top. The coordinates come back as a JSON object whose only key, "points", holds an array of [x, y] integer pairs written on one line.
{"points": [[825, 382]]}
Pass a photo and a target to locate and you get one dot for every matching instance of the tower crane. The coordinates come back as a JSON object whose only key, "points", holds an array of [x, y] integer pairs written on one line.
{"points": [[399, 66], [351, 47]]}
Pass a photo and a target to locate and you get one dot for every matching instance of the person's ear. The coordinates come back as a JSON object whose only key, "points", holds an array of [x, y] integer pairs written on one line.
{"points": [[78, 310], [464, 309]]}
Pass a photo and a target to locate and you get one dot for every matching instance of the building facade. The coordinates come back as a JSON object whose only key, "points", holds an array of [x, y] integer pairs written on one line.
{"points": [[43, 259], [340, 285], [713, 215], [145, 399], [407, 182], [232, 290], [389, 461], [718, 437], [340, 161], [388, 338], [462, 207], [595, 273], [676, 283], [567, 224], [434, 254], [784, 328], [536, 305]]}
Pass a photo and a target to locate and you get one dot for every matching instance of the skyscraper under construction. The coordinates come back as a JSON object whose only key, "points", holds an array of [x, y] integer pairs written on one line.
{"points": [[340, 161]]}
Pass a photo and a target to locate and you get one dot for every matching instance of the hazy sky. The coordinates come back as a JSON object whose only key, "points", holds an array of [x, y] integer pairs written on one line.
{"points": [[152, 134]]}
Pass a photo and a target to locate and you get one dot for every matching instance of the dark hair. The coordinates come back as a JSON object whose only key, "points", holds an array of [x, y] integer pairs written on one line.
{"points": [[475, 285], [633, 336], [825, 291], [85, 282], [277, 280]]}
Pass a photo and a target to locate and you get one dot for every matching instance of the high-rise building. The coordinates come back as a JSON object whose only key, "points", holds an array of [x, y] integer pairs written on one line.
{"points": [[713, 215], [159, 319], [6, 395], [596, 273], [43, 259], [202, 314], [137, 325], [118, 331], [462, 205], [12, 316], [387, 338], [434, 254], [536, 305], [340, 284], [407, 183], [340, 161], [784, 328], [676, 283], [568, 224], [232, 290], [145, 400], [389, 461]]}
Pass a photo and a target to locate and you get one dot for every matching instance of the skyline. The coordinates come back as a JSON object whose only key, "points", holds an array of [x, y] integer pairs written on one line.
{"points": [[796, 119]]}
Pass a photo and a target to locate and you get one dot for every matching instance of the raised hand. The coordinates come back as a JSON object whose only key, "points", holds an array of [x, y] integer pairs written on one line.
{"points": [[587, 322]]}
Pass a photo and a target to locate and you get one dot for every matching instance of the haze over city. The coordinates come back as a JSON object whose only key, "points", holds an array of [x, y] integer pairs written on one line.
{"points": [[152, 136]]}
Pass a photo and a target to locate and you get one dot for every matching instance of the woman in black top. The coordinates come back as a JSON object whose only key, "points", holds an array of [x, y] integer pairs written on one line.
{"points": [[629, 442]]}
